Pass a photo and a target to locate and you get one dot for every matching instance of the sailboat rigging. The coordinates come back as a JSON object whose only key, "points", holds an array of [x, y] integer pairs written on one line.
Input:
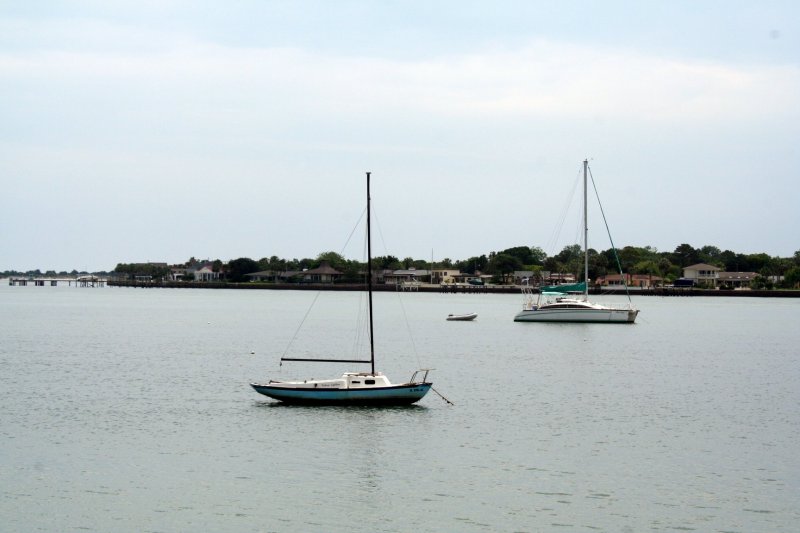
{"points": [[352, 388], [552, 305]]}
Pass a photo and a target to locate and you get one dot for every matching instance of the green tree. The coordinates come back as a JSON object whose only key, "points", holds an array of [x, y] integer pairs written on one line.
{"points": [[761, 283], [570, 259], [761, 263], [353, 271], [684, 255], [306, 263], [711, 255], [239, 268], [276, 264], [599, 265], [538, 256], [570, 253], [335, 260], [387, 262], [445, 263], [646, 267], [526, 255], [665, 267], [791, 279], [629, 256], [473, 265], [727, 259], [132, 270], [503, 265]]}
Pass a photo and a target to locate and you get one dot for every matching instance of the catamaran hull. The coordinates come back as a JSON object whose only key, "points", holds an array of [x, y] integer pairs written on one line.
{"points": [[615, 316], [396, 395]]}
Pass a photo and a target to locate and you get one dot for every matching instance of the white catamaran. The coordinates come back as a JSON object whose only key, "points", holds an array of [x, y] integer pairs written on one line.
{"points": [[352, 388], [552, 304]]}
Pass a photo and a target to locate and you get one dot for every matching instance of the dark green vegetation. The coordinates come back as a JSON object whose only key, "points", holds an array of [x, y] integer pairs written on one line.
{"points": [[502, 264], [635, 260]]}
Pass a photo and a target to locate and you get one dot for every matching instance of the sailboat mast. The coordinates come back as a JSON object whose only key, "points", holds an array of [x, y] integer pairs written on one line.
{"points": [[585, 232], [369, 280]]}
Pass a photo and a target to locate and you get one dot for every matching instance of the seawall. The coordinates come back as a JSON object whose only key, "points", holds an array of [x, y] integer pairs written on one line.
{"points": [[464, 289]]}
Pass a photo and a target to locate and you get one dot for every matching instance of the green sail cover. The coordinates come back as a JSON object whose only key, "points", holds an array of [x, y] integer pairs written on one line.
{"points": [[574, 287]]}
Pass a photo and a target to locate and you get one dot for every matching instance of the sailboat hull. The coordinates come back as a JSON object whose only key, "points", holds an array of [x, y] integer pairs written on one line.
{"points": [[617, 316], [404, 394]]}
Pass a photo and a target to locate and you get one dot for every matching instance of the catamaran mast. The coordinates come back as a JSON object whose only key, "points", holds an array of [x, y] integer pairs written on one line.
{"points": [[585, 233], [369, 281]]}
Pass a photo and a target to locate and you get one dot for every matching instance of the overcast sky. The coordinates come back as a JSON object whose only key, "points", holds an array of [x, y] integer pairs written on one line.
{"points": [[160, 130]]}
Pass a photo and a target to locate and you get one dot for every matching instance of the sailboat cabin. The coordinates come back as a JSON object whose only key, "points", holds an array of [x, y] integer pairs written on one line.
{"points": [[355, 380]]}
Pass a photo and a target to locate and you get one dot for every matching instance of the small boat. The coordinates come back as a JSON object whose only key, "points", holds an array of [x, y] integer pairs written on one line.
{"points": [[552, 304], [467, 316], [352, 388]]}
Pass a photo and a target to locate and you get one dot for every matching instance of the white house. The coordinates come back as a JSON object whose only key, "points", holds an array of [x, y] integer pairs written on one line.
{"points": [[702, 273], [203, 272]]}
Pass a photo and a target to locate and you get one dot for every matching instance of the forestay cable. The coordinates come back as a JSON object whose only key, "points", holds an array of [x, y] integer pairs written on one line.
{"points": [[608, 231]]}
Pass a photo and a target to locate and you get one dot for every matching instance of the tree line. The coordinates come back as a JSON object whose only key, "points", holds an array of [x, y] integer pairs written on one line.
{"points": [[502, 264]]}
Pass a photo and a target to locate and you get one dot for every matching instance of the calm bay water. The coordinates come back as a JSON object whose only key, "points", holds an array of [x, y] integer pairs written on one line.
{"points": [[130, 410]]}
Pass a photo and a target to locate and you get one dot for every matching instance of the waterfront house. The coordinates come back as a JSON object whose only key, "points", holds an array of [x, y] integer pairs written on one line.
{"points": [[465, 277], [379, 275], [439, 276], [324, 273], [736, 279], [525, 276], [642, 281], [397, 277], [702, 274], [177, 273], [558, 278], [264, 275], [204, 272]]}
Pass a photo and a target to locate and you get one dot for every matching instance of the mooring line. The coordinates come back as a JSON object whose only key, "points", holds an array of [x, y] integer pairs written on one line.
{"points": [[442, 397]]}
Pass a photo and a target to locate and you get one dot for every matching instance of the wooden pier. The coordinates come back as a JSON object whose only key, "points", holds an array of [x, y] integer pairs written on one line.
{"points": [[83, 281]]}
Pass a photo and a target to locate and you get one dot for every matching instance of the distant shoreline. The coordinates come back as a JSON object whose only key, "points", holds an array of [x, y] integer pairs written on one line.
{"points": [[447, 289]]}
